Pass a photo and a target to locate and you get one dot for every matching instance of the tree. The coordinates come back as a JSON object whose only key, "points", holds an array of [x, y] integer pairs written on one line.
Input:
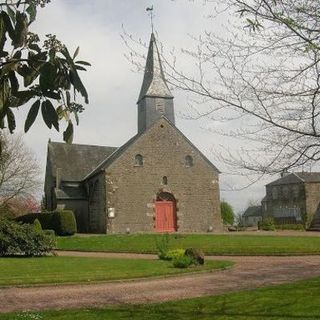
{"points": [[262, 79], [227, 213], [45, 75], [19, 171]]}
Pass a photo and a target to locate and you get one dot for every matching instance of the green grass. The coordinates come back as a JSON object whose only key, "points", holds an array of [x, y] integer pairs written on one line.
{"points": [[295, 301], [30, 271], [210, 244]]}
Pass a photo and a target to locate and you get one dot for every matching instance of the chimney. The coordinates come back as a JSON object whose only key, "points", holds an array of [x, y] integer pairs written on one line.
{"points": [[284, 173], [58, 178]]}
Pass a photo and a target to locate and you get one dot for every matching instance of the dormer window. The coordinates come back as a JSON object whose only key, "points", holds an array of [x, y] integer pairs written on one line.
{"points": [[188, 161], [138, 160]]}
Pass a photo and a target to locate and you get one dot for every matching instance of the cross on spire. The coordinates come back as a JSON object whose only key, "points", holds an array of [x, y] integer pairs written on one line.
{"points": [[150, 13]]}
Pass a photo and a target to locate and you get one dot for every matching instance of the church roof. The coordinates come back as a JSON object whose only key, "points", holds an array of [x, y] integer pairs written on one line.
{"points": [[76, 160], [297, 177], [154, 83]]}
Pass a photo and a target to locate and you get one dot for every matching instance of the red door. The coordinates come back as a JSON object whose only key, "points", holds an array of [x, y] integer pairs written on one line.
{"points": [[165, 216]]}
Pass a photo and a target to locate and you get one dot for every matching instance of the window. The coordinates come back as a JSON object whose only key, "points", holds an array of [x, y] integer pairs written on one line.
{"points": [[165, 180], [285, 192], [188, 161], [138, 160]]}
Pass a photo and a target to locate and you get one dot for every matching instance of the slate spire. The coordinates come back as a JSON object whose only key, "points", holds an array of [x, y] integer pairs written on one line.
{"points": [[155, 99]]}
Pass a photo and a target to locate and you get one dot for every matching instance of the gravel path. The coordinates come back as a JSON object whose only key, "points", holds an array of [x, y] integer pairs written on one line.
{"points": [[248, 273]]}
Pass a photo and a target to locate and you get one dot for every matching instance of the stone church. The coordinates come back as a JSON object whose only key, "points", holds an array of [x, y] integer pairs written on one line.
{"points": [[158, 181]]}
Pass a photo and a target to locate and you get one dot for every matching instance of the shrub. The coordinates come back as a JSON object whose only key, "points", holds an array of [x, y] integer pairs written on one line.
{"points": [[227, 213], [37, 225], [196, 255], [62, 222], [162, 245], [267, 224], [23, 239], [182, 261], [173, 253]]}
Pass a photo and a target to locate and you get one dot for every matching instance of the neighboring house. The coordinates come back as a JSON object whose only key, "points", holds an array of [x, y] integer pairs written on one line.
{"points": [[294, 198], [157, 181], [252, 216]]}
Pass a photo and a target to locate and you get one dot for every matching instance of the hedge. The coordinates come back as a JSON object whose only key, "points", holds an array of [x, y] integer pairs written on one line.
{"points": [[62, 222]]}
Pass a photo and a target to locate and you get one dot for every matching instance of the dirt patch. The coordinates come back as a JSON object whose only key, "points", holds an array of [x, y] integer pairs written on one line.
{"points": [[248, 273]]}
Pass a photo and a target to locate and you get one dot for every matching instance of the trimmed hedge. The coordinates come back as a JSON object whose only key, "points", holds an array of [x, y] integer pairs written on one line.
{"points": [[62, 222], [296, 226]]}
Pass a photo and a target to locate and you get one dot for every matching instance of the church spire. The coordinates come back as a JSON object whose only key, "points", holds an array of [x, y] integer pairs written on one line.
{"points": [[155, 99]]}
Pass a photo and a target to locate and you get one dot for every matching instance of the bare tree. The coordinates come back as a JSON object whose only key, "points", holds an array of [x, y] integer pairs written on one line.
{"points": [[19, 170], [262, 79]]}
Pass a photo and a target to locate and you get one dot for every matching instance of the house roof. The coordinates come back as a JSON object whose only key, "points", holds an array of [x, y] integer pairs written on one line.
{"points": [[76, 160], [297, 177], [118, 152], [253, 211], [154, 83]]}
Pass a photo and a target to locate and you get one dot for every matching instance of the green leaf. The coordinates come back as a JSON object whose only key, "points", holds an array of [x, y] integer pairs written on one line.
{"points": [[75, 79], [48, 73], [35, 47], [21, 30], [81, 68], [76, 53], [14, 82], [8, 25], [11, 14], [32, 115], [5, 93], [85, 63], [49, 115], [25, 96], [11, 120], [76, 117], [52, 95], [68, 133], [68, 97], [32, 10]]}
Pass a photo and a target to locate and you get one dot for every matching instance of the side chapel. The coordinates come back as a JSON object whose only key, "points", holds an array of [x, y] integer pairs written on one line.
{"points": [[158, 181]]}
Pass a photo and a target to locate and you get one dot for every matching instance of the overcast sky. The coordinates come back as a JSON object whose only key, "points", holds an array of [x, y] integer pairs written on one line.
{"points": [[111, 117]]}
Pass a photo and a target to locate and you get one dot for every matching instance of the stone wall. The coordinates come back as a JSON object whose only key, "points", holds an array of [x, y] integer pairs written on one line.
{"points": [[131, 190], [97, 203]]}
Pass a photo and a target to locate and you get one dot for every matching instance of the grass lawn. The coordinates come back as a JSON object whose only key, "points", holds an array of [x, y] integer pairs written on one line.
{"points": [[29, 271], [210, 244], [298, 300]]}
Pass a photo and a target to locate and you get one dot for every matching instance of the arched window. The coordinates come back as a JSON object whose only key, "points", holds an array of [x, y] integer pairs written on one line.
{"points": [[138, 160], [164, 180], [188, 161]]}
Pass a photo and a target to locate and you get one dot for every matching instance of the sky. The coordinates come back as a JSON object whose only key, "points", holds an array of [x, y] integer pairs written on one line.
{"points": [[112, 82]]}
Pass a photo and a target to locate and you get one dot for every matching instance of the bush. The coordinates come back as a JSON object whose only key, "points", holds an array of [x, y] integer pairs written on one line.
{"points": [[196, 255], [23, 239], [173, 253], [162, 245], [267, 224], [62, 222], [37, 225], [182, 261]]}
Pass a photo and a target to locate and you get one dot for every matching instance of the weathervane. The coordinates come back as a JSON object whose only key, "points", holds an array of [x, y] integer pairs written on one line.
{"points": [[150, 12]]}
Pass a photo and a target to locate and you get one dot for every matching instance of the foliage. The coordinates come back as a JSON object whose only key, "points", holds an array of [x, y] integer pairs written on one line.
{"points": [[267, 224], [173, 253], [293, 226], [19, 173], [44, 74], [196, 255], [162, 245], [53, 270], [62, 222], [23, 239], [182, 261], [37, 225], [227, 213]]}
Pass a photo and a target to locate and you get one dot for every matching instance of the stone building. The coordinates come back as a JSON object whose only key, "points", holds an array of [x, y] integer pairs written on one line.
{"points": [[157, 181], [294, 198], [252, 216]]}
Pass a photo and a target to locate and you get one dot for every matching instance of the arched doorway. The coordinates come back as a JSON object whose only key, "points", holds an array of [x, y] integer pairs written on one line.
{"points": [[166, 217]]}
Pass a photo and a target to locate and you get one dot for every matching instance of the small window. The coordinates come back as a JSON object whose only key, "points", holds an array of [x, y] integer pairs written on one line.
{"points": [[138, 160], [165, 180], [188, 161]]}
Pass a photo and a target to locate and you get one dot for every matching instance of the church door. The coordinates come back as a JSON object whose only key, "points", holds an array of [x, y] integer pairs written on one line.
{"points": [[165, 216]]}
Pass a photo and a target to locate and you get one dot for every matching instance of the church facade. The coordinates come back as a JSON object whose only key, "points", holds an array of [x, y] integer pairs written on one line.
{"points": [[156, 182]]}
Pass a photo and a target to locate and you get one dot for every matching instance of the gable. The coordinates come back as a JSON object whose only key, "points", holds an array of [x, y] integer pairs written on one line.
{"points": [[75, 160], [161, 132]]}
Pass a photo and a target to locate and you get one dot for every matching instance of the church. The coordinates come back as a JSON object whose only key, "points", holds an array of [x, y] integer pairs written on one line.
{"points": [[158, 181]]}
